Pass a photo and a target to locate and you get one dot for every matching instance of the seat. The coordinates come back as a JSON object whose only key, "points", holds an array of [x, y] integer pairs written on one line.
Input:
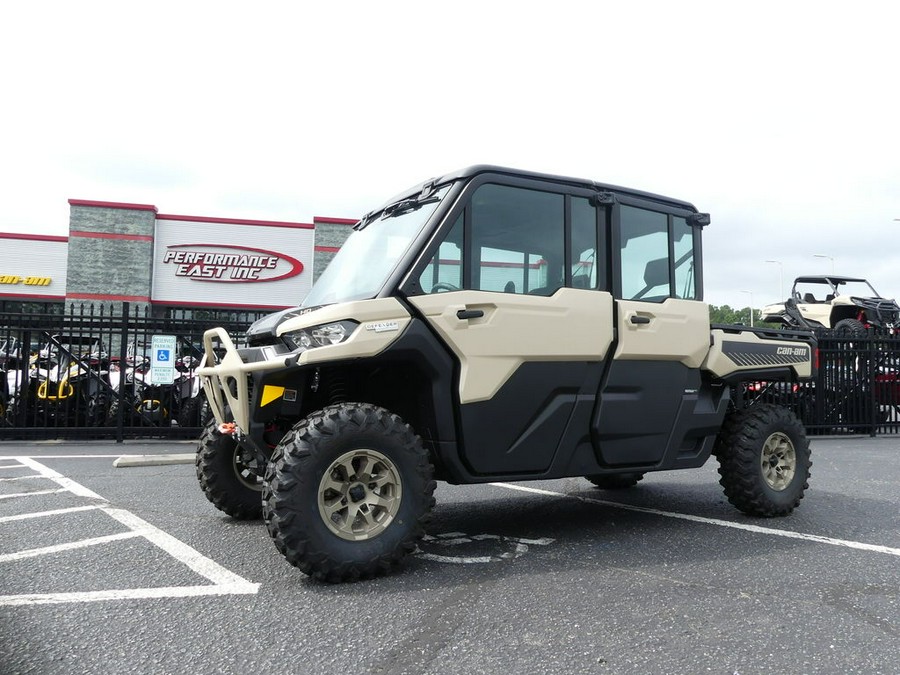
{"points": [[510, 287], [809, 298]]}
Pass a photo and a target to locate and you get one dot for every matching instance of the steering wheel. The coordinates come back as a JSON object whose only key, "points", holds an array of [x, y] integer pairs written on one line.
{"points": [[443, 286]]}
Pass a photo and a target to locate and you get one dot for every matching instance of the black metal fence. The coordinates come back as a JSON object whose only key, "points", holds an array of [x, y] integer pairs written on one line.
{"points": [[83, 371], [856, 390]]}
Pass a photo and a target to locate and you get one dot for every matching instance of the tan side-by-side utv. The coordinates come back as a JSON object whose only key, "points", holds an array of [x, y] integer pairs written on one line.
{"points": [[845, 306], [491, 325]]}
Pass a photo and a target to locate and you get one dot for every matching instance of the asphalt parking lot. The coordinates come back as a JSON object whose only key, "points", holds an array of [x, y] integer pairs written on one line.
{"points": [[132, 570]]}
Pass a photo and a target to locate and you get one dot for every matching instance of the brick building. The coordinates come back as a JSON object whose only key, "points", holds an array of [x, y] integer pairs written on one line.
{"points": [[131, 253]]}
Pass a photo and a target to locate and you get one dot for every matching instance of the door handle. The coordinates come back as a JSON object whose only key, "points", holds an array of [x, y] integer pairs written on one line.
{"points": [[464, 314], [639, 319]]}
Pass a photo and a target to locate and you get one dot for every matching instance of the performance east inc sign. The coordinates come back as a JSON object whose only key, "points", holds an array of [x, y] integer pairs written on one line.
{"points": [[217, 262], [231, 264]]}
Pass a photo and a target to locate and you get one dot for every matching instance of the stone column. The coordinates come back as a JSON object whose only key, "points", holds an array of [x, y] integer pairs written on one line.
{"points": [[110, 253], [331, 233]]}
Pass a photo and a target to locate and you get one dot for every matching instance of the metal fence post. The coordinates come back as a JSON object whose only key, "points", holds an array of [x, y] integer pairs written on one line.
{"points": [[123, 366], [872, 352]]}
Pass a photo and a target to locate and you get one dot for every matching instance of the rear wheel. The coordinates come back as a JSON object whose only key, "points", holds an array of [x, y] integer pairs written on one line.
{"points": [[230, 476], [129, 417], [348, 492], [96, 410], [190, 413], [14, 412], [615, 481], [850, 328], [763, 460]]}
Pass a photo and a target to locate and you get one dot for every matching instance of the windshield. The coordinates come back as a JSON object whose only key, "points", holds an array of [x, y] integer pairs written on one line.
{"points": [[823, 291], [370, 254], [860, 289]]}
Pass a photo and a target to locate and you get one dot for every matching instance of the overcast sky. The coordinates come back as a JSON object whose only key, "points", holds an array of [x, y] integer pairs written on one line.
{"points": [[779, 118]]}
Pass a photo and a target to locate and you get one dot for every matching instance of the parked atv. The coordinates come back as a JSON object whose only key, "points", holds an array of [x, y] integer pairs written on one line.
{"points": [[14, 353], [159, 404], [65, 384], [848, 306], [4, 394]]}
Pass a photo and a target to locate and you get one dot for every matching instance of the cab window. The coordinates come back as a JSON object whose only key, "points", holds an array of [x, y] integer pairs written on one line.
{"points": [[656, 256], [683, 253], [520, 240], [517, 240], [444, 271], [587, 263]]}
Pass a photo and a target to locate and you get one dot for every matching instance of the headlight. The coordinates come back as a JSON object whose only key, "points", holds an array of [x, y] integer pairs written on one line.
{"points": [[320, 336]]}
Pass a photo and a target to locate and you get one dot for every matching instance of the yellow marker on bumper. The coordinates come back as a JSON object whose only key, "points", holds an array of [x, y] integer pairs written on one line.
{"points": [[271, 393]]}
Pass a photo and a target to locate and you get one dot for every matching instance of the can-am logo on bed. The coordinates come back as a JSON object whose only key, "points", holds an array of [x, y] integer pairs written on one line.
{"points": [[233, 264]]}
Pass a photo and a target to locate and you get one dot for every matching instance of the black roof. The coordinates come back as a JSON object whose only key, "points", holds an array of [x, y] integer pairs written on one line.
{"points": [[827, 278], [474, 170]]}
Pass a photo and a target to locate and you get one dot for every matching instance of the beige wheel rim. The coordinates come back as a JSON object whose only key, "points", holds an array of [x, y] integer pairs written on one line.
{"points": [[359, 495], [778, 461]]}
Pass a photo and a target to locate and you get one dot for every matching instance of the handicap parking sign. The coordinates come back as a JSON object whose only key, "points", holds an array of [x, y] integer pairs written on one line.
{"points": [[162, 368]]}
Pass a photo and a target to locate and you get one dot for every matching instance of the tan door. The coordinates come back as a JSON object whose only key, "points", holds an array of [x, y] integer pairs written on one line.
{"points": [[523, 360], [654, 372]]}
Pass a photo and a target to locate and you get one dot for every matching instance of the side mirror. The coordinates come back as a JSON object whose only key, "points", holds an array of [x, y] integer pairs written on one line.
{"points": [[698, 219]]}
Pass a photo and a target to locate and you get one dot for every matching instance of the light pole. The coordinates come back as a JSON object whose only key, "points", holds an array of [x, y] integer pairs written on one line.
{"points": [[822, 255], [780, 278], [751, 306]]}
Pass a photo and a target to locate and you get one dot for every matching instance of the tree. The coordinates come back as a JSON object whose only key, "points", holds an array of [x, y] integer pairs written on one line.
{"points": [[728, 315]]}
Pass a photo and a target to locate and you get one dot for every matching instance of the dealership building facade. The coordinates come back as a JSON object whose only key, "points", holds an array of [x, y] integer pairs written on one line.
{"points": [[117, 253]]}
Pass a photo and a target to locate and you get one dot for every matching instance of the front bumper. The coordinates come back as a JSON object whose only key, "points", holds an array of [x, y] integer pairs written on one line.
{"points": [[226, 384]]}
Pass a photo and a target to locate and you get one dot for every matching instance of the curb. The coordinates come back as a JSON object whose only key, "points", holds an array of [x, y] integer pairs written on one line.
{"points": [[153, 460]]}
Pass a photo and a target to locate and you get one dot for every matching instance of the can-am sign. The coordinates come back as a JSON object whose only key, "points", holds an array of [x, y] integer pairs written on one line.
{"points": [[230, 264]]}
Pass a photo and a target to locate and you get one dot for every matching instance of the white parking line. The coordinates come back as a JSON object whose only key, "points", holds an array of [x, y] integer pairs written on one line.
{"points": [[127, 594], [181, 551], [71, 546], [45, 514], [36, 493], [3, 467], [223, 582], [59, 479], [875, 548]]}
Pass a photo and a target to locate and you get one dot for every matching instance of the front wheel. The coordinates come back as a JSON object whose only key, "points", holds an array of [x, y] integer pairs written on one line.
{"points": [[763, 460], [230, 476], [348, 492]]}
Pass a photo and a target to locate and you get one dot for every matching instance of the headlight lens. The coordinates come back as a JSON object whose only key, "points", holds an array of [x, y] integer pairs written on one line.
{"points": [[320, 336]]}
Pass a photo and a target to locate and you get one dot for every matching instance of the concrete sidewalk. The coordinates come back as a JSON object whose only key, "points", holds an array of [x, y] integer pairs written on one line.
{"points": [[126, 454]]}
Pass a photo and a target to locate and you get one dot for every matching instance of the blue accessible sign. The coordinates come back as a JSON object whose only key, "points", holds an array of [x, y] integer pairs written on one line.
{"points": [[162, 359]]}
